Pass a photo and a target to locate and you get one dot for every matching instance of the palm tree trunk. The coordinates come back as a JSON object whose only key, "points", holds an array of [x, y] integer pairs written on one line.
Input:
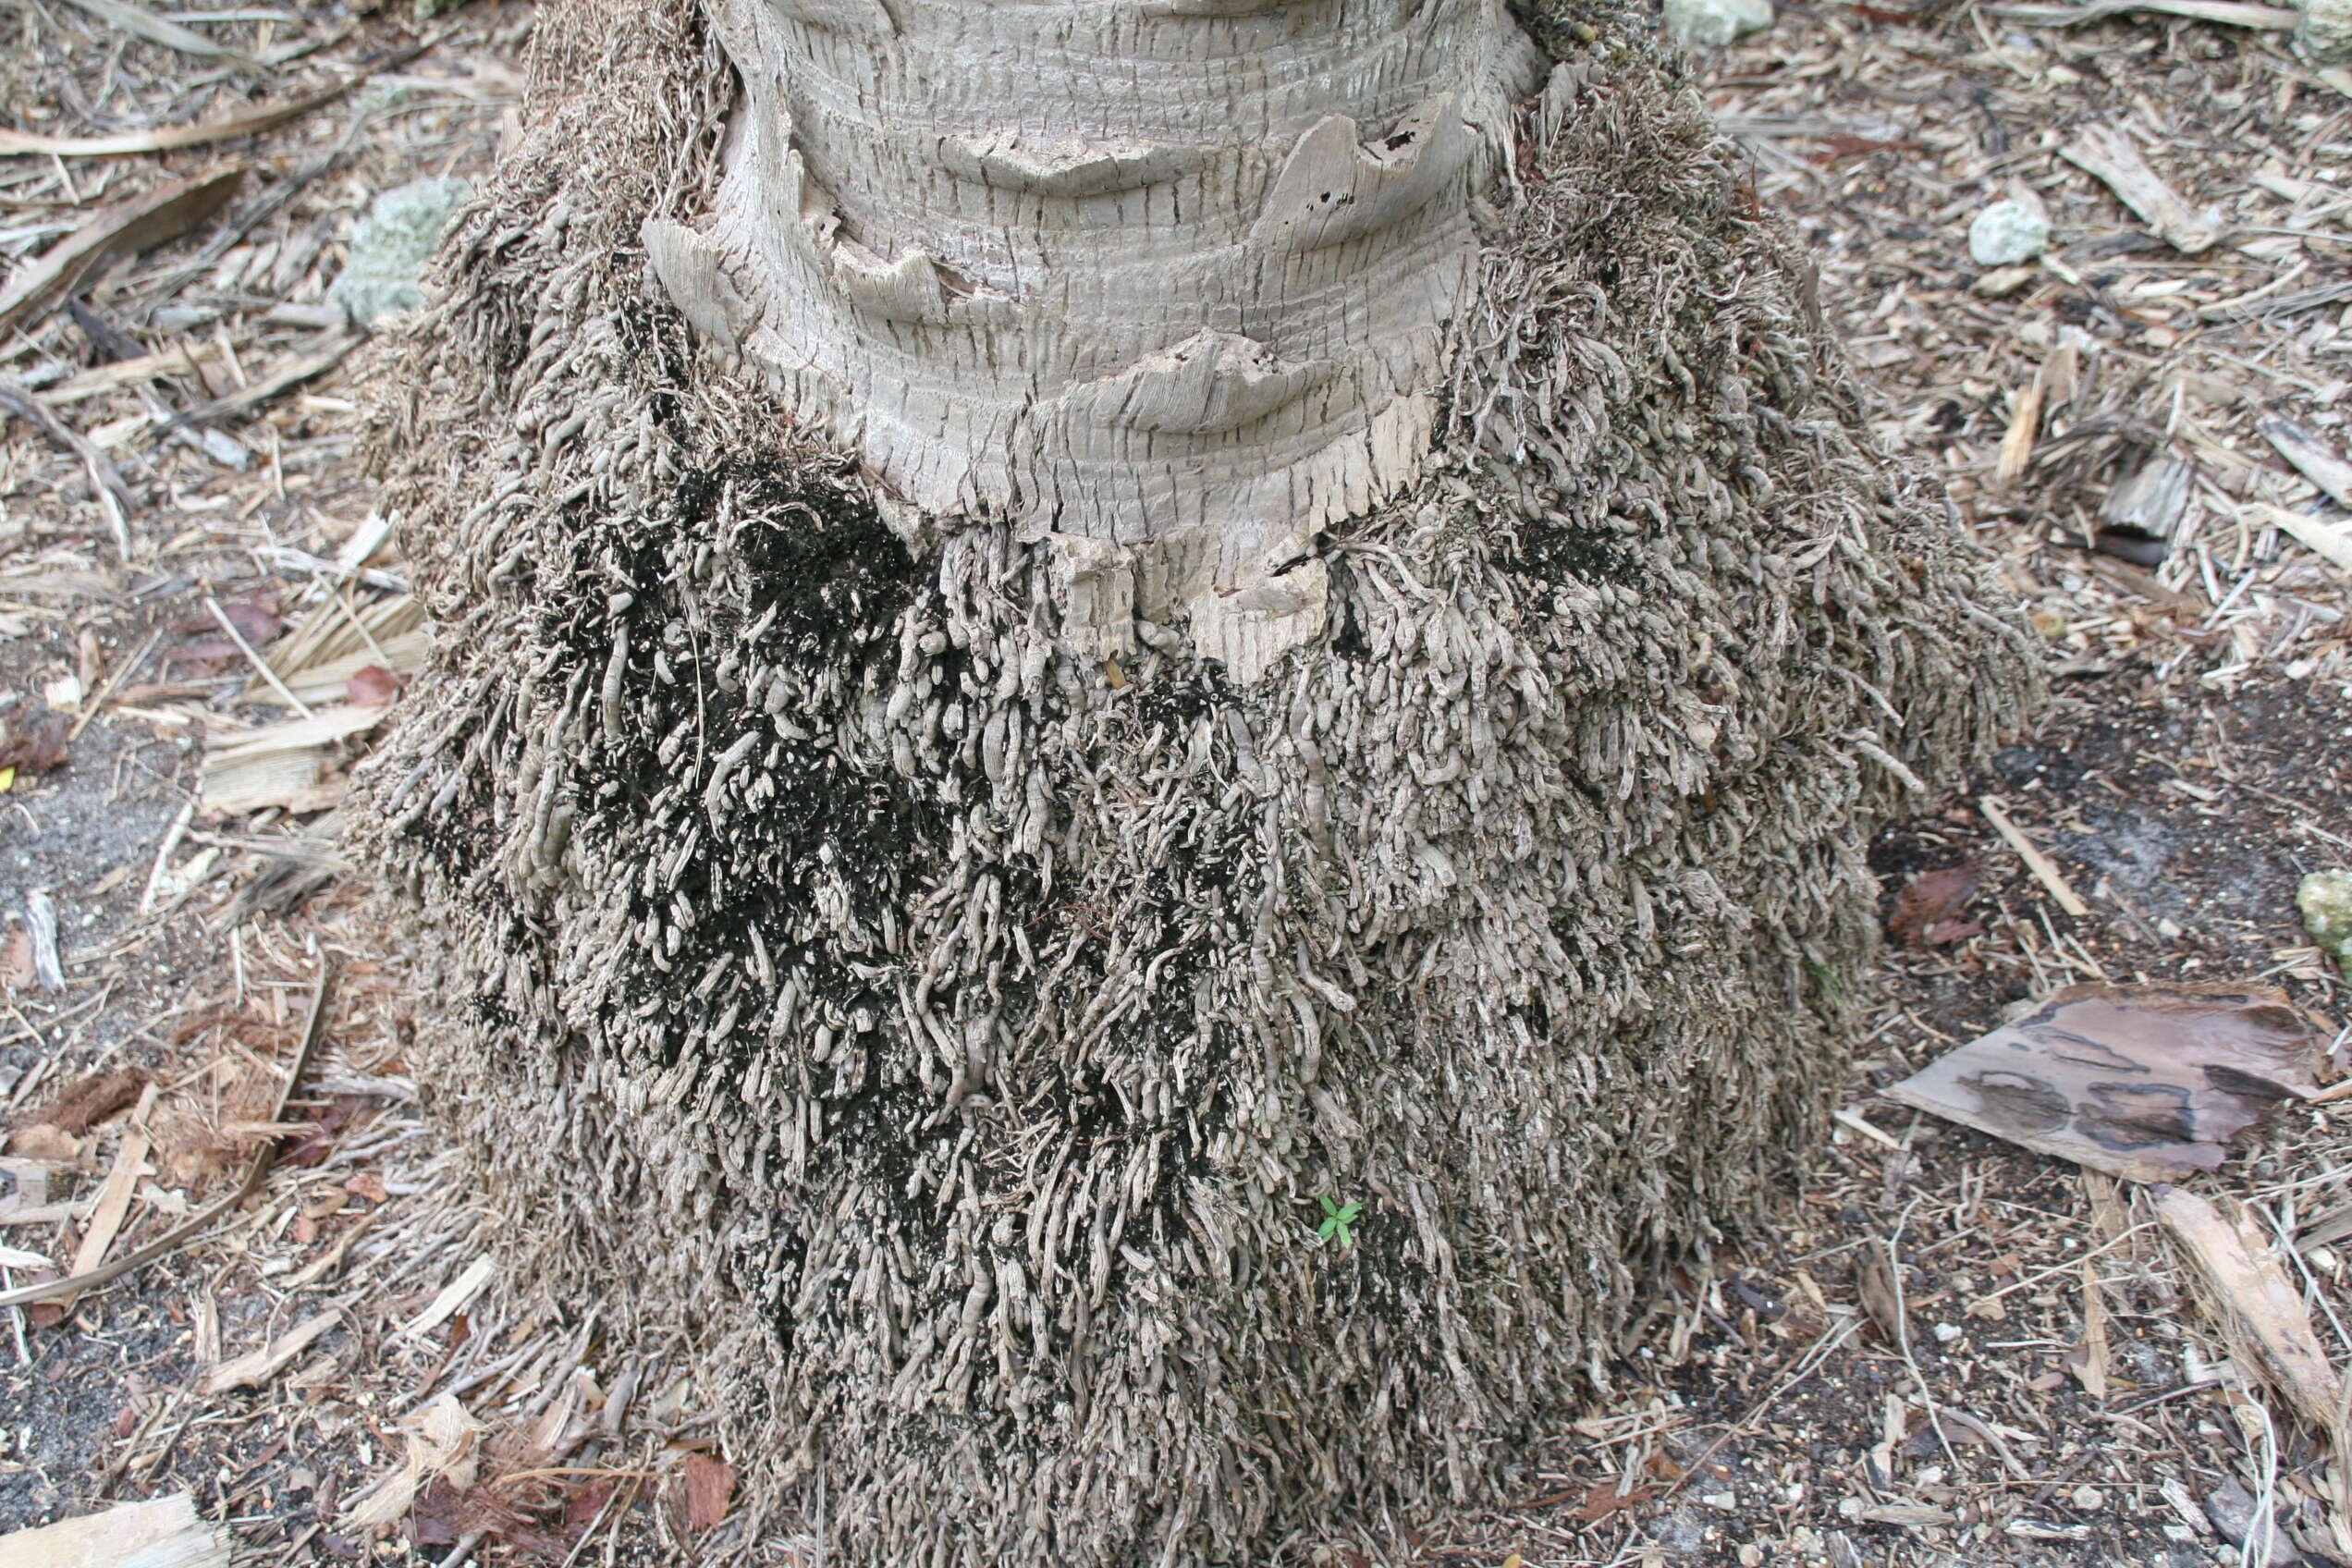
{"points": [[1045, 704]]}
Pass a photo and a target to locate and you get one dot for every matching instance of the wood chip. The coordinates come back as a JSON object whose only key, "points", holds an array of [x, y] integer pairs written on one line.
{"points": [[115, 1195], [2239, 1262], [2111, 156], [256, 1368], [2090, 1361], [161, 1533], [127, 226], [2017, 442], [453, 1297], [2312, 457], [179, 359], [2045, 870]]}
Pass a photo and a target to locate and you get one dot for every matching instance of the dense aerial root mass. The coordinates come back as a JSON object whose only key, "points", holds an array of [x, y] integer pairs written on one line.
{"points": [[952, 1022]]}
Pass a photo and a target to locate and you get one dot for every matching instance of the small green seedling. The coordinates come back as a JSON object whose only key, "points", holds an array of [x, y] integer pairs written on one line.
{"points": [[1336, 1220]]}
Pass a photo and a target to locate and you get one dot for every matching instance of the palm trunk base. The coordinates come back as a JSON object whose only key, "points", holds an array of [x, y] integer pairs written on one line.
{"points": [[952, 1035]]}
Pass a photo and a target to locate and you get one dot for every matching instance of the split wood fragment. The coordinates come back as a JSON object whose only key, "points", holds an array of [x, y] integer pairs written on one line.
{"points": [[162, 1532], [2111, 156], [125, 227], [140, 23], [452, 1298], [2332, 541], [2311, 456], [169, 138], [256, 1368], [2239, 1262]]}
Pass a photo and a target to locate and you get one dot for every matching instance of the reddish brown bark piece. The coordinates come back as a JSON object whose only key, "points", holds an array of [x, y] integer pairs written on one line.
{"points": [[86, 1102], [710, 1487], [2143, 1081]]}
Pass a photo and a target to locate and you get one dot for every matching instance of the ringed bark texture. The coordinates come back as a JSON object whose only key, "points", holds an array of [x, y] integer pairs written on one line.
{"points": [[951, 1027]]}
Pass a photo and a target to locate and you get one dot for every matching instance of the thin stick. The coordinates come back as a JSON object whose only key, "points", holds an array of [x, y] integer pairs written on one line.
{"points": [[247, 649], [169, 1241], [2045, 870], [121, 670]]}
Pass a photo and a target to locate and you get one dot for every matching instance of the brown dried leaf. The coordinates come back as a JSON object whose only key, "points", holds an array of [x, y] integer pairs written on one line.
{"points": [[256, 620], [1874, 1283], [710, 1487], [34, 745], [1604, 1500], [372, 686], [1927, 910], [2143, 1082]]}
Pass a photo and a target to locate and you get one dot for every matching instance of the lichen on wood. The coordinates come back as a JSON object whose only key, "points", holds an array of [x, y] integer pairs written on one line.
{"points": [[950, 1022]]}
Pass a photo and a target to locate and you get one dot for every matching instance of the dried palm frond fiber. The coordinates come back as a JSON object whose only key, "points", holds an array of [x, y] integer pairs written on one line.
{"points": [[957, 1034]]}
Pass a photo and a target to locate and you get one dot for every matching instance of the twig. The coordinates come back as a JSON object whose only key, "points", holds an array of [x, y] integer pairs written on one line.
{"points": [[121, 670], [170, 1240], [247, 649], [163, 856], [2045, 870]]}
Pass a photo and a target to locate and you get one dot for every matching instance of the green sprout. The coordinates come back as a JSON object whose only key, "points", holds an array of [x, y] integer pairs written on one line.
{"points": [[1337, 1219]]}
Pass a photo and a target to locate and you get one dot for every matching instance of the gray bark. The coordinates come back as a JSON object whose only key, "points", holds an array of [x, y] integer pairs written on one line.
{"points": [[1169, 283]]}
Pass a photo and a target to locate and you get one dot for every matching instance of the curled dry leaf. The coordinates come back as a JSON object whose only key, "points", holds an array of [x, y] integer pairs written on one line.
{"points": [[1603, 1499], [1927, 910], [1874, 1283], [256, 620], [372, 686], [33, 739], [2143, 1082]]}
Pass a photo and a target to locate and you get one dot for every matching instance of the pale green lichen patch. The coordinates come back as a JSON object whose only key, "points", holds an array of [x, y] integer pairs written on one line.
{"points": [[2325, 898], [391, 245]]}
